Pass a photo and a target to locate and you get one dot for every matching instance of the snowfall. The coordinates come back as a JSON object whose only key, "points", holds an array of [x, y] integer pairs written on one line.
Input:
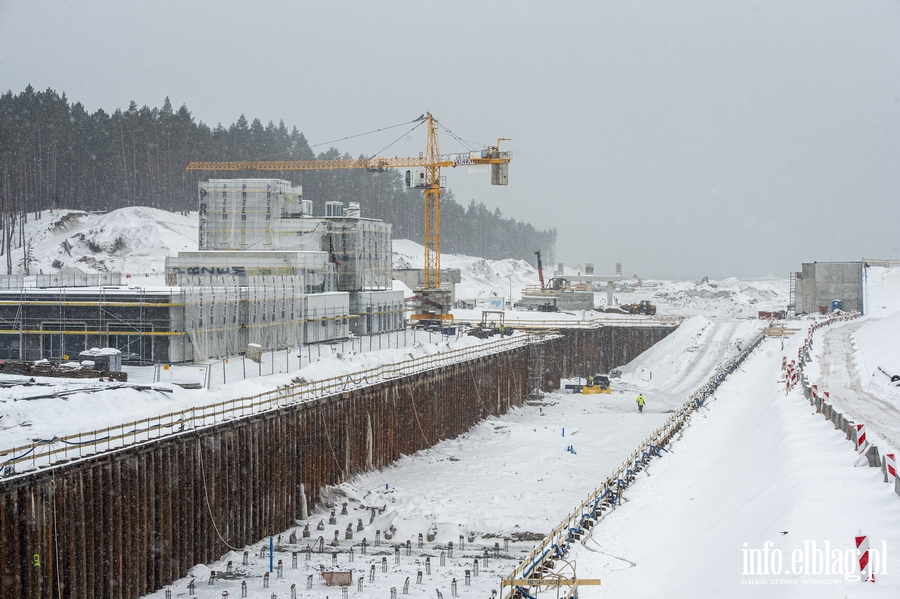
{"points": [[755, 473]]}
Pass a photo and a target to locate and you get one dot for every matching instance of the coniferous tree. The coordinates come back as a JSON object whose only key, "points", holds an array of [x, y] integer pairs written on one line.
{"points": [[55, 154]]}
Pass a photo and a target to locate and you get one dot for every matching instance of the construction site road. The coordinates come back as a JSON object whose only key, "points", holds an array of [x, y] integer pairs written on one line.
{"points": [[841, 375]]}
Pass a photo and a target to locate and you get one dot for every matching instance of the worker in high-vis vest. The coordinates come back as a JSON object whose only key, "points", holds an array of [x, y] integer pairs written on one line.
{"points": [[640, 403]]}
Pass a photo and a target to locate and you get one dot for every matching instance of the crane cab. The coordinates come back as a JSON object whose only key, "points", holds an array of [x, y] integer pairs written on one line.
{"points": [[414, 178]]}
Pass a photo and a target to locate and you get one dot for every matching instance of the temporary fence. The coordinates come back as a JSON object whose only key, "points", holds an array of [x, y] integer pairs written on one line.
{"points": [[855, 432], [535, 570], [45, 453], [76, 279]]}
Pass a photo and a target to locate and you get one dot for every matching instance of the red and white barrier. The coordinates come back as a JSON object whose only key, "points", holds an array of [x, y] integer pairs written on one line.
{"points": [[861, 442], [814, 389], [866, 573], [890, 466]]}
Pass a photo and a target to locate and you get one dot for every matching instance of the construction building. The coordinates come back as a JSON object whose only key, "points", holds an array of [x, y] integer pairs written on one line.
{"points": [[267, 273], [821, 287]]}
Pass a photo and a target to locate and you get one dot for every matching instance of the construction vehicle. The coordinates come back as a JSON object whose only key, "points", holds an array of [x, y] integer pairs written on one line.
{"points": [[547, 306], [644, 307], [599, 383], [492, 323], [423, 172]]}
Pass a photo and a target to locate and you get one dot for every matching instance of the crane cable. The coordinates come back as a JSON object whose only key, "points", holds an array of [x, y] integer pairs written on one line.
{"points": [[419, 120], [464, 142], [398, 139], [468, 144]]}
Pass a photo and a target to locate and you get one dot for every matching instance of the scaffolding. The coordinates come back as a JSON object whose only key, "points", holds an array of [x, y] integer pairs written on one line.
{"points": [[276, 310], [78, 279], [535, 374], [269, 215], [240, 214], [362, 250], [792, 298], [376, 311], [62, 322], [212, 318]]}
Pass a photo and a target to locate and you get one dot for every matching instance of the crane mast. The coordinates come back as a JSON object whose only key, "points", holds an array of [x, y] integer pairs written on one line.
{"points": [[432, 162], [432, 194]]}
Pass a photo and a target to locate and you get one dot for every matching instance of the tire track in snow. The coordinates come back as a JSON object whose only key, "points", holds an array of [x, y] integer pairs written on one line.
{"points": [[840, 377]]}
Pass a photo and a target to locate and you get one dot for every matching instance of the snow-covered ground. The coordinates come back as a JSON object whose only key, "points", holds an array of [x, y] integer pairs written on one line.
{"points": [[755, 466]]}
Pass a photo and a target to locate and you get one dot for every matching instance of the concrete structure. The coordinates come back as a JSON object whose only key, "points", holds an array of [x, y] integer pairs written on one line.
{"points": [[265, 215], [570, 292], [414, 278], [558, 299], [610, 280], [268, 273], [191, 269], [818, 284]]}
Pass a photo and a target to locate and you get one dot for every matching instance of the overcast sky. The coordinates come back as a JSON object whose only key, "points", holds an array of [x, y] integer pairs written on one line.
{"points": [[683, 139]]}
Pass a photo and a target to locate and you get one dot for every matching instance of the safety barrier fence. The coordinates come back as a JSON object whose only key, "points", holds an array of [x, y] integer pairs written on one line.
{"points": [[535, 571], [855, 432], [586, 323], [821, 399], [44, 453]]}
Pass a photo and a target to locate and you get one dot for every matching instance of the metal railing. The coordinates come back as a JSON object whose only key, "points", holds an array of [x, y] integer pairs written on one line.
{"points": [[44, 453], [586, 323]]}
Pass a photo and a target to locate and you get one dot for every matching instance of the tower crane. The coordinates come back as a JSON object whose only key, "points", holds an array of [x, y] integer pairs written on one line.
{"points": [[429, 179]]}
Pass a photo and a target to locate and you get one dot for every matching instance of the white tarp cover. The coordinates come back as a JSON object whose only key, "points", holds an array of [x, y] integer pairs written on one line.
{"points": [[212, 318], [275, 311]]}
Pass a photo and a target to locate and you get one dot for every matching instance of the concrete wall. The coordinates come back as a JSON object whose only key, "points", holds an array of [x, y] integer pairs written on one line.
{"points": [[122, 524], [818, 283], [415, 277]]}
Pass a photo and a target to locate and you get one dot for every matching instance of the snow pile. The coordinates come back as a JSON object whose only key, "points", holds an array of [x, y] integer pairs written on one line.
{"points": [[480, 278], [876, 345], [882, 290], [137, 240], [729, 298], [408, 254], [130, 240], [757, 468], [687, 356]]}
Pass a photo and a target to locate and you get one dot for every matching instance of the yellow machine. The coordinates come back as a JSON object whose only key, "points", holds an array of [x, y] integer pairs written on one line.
{"points": [[644, 307], [428, 178], [599, 383]]}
